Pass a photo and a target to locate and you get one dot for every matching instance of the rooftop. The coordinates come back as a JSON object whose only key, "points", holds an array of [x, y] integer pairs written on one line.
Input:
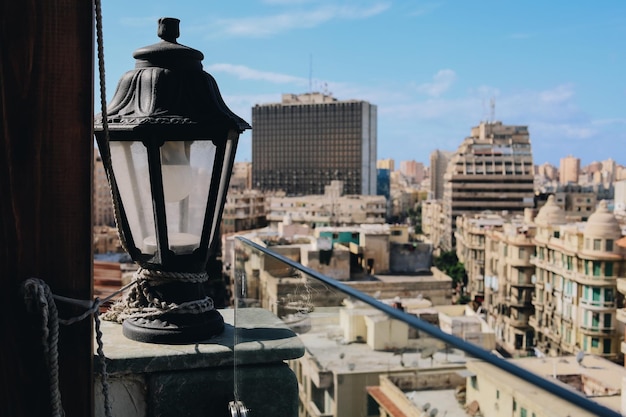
{"points": [[325, 342]]}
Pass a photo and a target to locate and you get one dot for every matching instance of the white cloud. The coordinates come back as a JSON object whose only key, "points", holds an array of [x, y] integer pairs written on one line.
{"points": [[441, 82], [425, 9], [263, 26], [559, 94], [572, 130], [247, 73]]}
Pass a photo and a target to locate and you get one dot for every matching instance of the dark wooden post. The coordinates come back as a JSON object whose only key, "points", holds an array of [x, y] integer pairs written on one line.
{"points": [[46, 147]]}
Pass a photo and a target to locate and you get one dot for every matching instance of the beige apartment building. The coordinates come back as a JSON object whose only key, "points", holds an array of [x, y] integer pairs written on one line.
{"points": [[493, 392], [102, 199], [433, 223], [509, 285], [569, 170], [244, 210], [496, 251], [577, 270], [349, 348], [413, 170], [330, 209], [470, 248], [548, 171], [491, 170], [388, 163]]}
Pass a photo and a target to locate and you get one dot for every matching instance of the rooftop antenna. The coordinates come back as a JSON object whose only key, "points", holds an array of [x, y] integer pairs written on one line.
{"points": [[310, 73], [492, 108]]}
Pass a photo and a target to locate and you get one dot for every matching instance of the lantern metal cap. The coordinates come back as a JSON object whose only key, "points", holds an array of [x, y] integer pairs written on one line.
{"points": [[168, 89], [168, 53]]}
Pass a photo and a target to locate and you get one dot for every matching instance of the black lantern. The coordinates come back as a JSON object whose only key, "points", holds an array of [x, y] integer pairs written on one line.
{"points": [[168, 148]]}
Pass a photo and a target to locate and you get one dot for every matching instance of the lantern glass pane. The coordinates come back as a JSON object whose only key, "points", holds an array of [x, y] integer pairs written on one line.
{"points": [[187, 169], [229, 155], [130, 167]]}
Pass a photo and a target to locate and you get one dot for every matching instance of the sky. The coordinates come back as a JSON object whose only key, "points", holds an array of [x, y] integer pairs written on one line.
{"points": [[434, 69]]}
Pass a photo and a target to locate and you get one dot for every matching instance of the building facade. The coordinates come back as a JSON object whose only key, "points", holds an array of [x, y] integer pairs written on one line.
{"points": [[491, 170], [569, 170], [308, 140], [102, 198], [243, 210], [438, 165], [577, 269], [413, 170]]}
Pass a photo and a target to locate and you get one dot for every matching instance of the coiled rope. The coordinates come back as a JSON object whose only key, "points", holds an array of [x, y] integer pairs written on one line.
{"points": [[141, 301], [40, 301]]}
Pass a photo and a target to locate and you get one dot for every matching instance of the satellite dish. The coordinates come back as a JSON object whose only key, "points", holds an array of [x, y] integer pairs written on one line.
{"points": [[579, 357], [428, 352], [433, 412], [426, 406]]}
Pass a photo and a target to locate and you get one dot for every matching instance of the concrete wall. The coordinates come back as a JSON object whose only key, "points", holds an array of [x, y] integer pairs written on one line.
{"points": [[437, 291], [410, 257], [334, 263]]}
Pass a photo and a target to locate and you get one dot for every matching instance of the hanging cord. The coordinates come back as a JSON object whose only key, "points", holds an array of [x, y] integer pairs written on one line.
{"points": [[141, 301], [40, 300], [105, 154]]}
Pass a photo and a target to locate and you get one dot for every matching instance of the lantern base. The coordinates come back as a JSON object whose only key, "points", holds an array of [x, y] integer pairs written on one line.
{"points": [[175, 328]]}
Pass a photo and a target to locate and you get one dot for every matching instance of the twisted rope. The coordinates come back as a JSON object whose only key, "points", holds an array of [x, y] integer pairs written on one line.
{"points": [[39, 300], [141, 301]]}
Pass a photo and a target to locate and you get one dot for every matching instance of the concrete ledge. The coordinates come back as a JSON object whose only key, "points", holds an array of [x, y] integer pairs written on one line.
{"points": [[200, 379]]}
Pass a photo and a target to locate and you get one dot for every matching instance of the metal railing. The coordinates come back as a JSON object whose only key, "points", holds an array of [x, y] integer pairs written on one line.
{"points": [[290, 269]]}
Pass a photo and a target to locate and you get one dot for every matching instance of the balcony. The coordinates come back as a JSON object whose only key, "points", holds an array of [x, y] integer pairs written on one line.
{"points": [[339, 335], [595, 330], [596, 305], [260, 354]]}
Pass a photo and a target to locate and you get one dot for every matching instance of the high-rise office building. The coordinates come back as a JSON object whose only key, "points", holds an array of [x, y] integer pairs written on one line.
{"points": [[303, 143], [438, 166], [569, 170], [491, 170]]}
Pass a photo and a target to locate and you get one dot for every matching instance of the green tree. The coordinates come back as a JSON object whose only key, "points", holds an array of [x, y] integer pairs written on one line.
{"points": [[449, 263]]}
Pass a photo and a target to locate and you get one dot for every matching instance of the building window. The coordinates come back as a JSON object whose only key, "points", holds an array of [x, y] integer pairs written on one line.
{"points": [[607, 346], [597, 268], [595, 294], [596, 244], [609, 245], [595, 342], [608, 269], [474, 382]]}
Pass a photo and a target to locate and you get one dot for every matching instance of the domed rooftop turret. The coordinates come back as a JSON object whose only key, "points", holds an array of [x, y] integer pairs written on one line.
{"points": [[550, 214], [602, 224]]}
